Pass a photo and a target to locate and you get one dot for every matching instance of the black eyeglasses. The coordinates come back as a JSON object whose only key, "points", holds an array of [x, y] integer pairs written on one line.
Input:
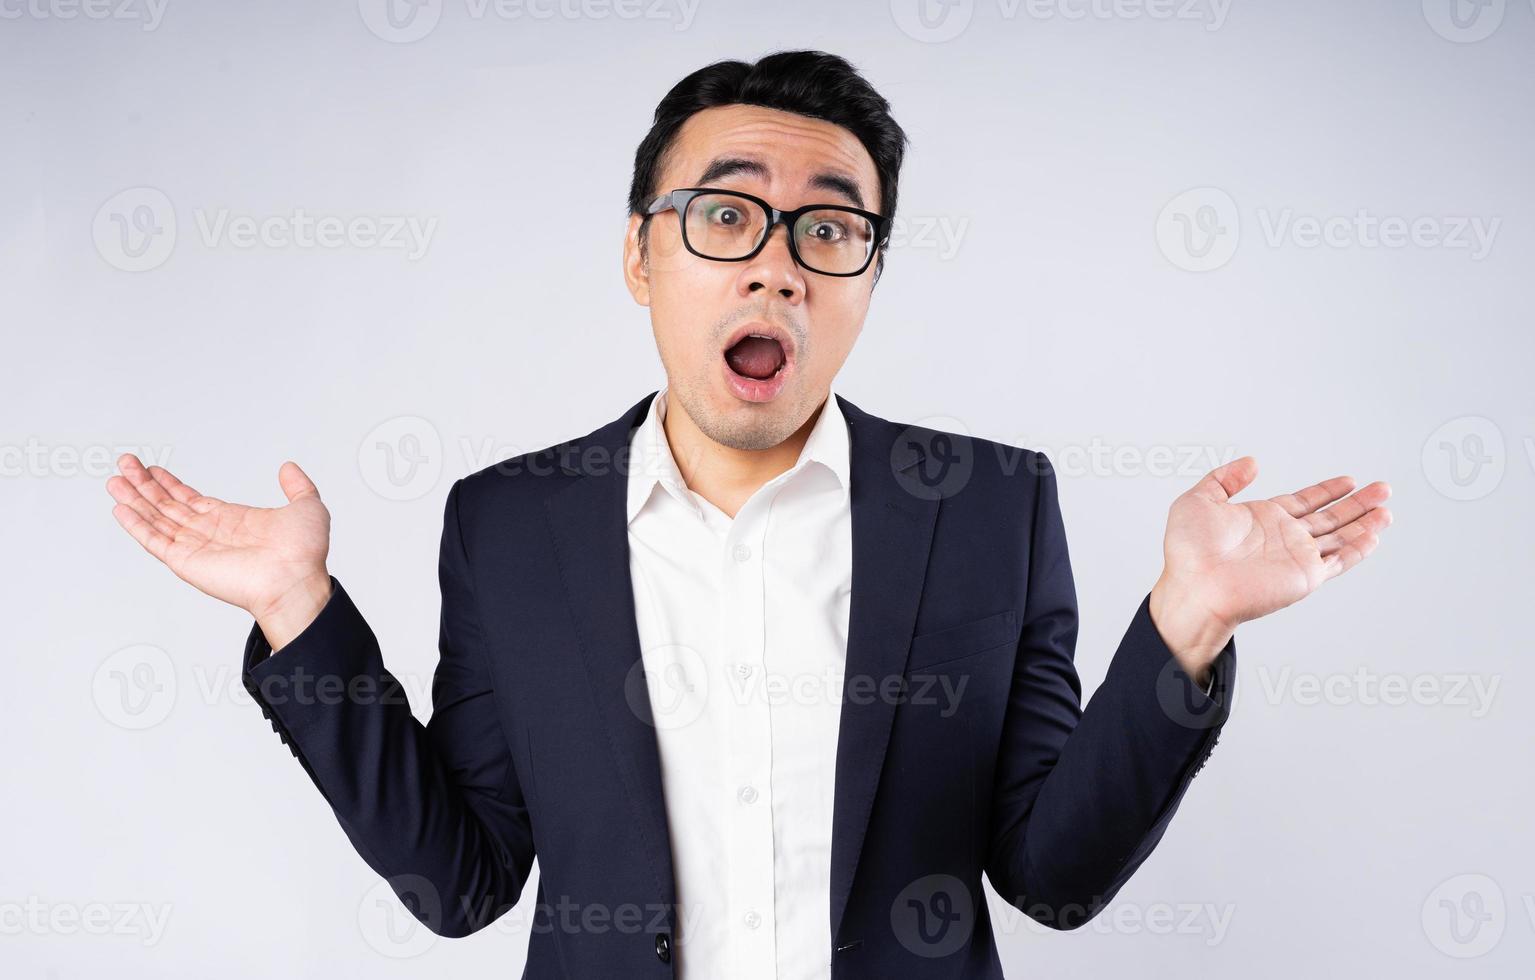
{"points": [[729, 226]]}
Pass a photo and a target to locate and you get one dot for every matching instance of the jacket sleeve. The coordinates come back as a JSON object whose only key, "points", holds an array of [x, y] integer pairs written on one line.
{"points": [[435, 809], [1083, 796]]}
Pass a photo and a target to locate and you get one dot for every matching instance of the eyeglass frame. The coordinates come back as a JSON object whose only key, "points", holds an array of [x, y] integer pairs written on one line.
{"points": [[679, 198]]}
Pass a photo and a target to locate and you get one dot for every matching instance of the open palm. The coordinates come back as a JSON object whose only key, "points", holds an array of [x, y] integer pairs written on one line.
{"points": [[248, 556], [1246, 559]]}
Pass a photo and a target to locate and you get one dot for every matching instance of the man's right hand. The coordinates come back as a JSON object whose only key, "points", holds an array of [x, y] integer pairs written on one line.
{"points": [[269, 561]]}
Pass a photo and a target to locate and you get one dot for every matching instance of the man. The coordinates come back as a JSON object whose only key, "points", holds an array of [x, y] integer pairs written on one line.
{"points": [[765, 681]]}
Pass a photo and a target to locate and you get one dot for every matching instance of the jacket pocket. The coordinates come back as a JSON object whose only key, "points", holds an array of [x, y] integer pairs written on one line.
{"points": [[964, 640]]}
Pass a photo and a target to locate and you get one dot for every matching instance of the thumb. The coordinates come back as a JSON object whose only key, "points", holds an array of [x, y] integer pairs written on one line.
{"points": [[295, 483], [1226, 481]]}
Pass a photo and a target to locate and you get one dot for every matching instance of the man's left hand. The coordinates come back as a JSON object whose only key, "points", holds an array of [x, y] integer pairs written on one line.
{"points": [[1227, 562]]}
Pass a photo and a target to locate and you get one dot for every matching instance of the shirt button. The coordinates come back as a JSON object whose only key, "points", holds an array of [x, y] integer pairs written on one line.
{"points": [[752, 920], [745, 670], [743, 552], [663, 948], [748, 794]]}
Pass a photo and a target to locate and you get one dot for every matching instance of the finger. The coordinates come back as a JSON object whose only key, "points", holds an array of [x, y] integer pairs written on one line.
{"points": [[144, 482], [127, 495], [1302, 502], [295, 482], [1349, 555], [1372, 522], [1348, 510], [173, 485], [153, 541], [205, 503], [1226, 481]]}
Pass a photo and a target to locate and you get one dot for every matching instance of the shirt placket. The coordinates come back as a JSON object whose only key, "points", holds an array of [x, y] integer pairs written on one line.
{"points": [[743, 629]]}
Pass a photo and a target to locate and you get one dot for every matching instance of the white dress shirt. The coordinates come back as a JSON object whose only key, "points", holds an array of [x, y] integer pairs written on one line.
{"points": [[743, 632]]}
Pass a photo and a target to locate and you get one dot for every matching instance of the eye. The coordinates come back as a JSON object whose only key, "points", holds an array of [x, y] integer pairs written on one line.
{"points": [[726, 215], [826, 232]]}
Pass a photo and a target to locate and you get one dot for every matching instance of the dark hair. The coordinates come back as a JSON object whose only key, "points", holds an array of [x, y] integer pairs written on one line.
{"points": [[810, 83]]}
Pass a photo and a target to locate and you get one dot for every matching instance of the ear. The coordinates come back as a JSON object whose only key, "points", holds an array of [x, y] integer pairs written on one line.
{"points": [[636, 270]]}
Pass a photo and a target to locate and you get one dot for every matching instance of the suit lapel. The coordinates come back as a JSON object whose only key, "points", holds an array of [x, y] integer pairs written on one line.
{"points": [[893, 517], [591, 538]]}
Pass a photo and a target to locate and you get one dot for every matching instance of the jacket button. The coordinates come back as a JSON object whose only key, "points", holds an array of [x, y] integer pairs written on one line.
{"points": [[663, 948]]}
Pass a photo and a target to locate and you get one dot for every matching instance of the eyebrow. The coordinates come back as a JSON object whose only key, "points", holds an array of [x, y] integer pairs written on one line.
{"points": [[826, 180]]}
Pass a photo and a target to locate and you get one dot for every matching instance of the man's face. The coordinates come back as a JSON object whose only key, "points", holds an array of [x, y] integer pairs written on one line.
{"points": [[698, 306]]}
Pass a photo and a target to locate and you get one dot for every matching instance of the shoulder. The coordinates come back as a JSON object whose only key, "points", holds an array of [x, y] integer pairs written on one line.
{"points": [[951, 461], [518, 485]]}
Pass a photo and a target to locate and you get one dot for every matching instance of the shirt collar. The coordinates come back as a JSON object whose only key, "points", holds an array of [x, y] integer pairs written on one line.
{"points": [[652, 463]]}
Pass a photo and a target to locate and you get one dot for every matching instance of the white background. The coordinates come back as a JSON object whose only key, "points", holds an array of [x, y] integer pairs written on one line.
{"points": [[1042, 296]]}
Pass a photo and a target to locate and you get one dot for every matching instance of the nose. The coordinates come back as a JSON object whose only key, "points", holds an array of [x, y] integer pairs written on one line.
{"points": [[774, 269]]}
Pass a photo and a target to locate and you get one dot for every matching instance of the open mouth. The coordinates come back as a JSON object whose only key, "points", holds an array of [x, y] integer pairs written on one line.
{"points": [[756, 357]]}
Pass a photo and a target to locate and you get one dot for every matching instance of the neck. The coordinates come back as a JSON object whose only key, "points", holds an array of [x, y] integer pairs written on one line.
{"points": [[722, 475]]}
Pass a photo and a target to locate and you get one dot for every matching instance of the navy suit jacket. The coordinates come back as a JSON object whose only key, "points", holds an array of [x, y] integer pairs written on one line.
{"points": [[963, 747]]}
